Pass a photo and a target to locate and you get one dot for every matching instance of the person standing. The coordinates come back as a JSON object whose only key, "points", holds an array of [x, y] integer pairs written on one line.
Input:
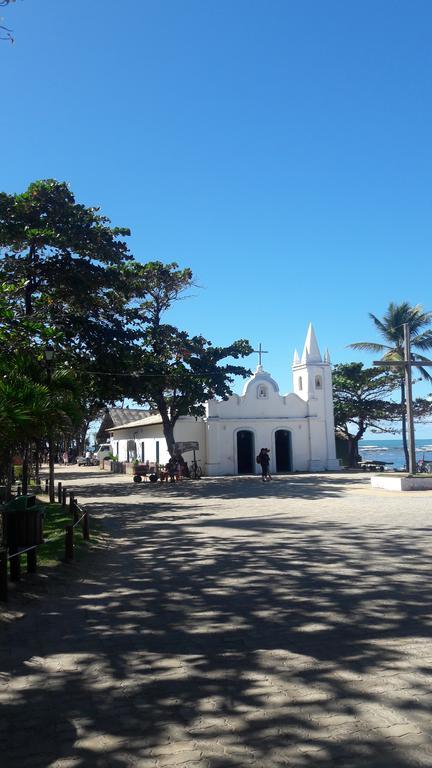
{"points": [[263, 458]]}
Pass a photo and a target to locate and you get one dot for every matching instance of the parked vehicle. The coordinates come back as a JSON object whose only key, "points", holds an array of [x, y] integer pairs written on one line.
{"points": [[102, 452], [87, 461]]}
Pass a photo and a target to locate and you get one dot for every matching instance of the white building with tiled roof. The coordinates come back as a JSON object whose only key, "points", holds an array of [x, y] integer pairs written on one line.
{"points": [[297, 427]]}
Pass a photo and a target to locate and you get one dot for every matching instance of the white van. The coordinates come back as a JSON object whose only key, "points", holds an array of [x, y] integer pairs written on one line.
{"points": [[102, 452]]}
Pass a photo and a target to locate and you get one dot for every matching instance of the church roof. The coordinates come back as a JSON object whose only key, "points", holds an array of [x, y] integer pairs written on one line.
{"points": [[121, 416], [118, 417], [147, 421]]}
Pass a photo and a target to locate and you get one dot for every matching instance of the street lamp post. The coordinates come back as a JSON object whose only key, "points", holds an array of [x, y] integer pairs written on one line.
{"points": [[49, 359]]}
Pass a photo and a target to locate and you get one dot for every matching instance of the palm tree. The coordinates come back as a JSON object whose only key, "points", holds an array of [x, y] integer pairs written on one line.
{"points": [[29, 411], [392, 331]]}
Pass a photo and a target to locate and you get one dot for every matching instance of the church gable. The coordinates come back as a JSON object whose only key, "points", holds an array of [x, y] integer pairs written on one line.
{"points": [[260, 399]]}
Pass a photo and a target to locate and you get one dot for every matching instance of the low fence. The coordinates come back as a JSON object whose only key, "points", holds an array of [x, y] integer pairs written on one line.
{"points": [[79, 516]]}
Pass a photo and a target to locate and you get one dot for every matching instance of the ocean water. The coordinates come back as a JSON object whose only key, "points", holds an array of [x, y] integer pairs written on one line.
{"points": [[391, 451]]}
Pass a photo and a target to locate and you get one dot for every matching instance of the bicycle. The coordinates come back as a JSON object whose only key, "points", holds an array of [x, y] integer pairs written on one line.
{"points": [[423, 466], [195, 471]]}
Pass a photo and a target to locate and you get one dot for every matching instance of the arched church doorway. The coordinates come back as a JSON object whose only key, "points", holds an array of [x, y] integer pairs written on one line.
{"points": [[245, 452], [283, 450]]}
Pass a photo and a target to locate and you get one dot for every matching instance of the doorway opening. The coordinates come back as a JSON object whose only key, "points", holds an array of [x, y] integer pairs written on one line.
{"points": [[283, 450], [245, 452]]}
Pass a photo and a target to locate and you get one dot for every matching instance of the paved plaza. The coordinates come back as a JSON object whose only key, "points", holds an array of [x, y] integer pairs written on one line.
{"points": [[227, 623]]}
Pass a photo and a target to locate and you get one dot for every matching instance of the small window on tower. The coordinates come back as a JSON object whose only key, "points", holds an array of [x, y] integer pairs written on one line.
{"points": [[300, 383], [262, 393], [318, 382]]}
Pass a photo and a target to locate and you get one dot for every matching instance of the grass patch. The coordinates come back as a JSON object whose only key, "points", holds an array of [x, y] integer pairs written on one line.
{"points": [[55, 521]]}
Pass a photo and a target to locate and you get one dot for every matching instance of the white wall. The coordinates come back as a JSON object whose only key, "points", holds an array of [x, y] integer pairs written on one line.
{"points": [[222, 443], [308, 416], [263, 416], [152, 435]]}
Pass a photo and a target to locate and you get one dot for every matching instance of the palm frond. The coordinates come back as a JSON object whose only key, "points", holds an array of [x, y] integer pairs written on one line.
{"points": [[425, 374], [381, 327], [422, 340], [368, 346]]}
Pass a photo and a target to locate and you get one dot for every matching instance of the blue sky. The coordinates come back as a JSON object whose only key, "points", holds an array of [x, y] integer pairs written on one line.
{"points": [[282, 150]]}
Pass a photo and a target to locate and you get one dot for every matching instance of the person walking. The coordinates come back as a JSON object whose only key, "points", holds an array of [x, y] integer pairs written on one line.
{"points": [[263, 458]]}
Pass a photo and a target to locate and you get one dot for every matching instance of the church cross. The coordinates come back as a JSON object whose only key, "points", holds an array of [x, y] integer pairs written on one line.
{"points": [[407, 364], [260, 352]]}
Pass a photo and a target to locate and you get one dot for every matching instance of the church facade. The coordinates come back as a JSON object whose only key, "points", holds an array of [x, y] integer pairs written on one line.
{"points": [[298, 427]]}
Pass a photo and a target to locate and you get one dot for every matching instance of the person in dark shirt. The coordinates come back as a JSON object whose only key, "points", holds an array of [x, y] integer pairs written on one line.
{"points": [[263, 458]]}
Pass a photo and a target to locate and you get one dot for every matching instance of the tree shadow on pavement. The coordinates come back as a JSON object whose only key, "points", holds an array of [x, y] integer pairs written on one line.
{"points": [[304, 486], [224, 643]]}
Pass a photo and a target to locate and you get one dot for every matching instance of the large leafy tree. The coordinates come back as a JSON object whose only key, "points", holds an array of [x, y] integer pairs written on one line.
{"points": [[180, 372], [391, 329], [62, 282], [360, 397], [64, 263]]}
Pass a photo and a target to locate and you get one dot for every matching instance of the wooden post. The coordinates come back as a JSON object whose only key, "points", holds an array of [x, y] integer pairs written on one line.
{"points": [[86, 527], [3, 575], [75, 511], [408, 398], [71, 504], [69, 543], [18, 490], [64, 495], [46, 485], [32, 560], [59, 491]]}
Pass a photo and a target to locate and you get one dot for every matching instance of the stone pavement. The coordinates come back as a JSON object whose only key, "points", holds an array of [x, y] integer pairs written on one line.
{"points": [[230, 623]]}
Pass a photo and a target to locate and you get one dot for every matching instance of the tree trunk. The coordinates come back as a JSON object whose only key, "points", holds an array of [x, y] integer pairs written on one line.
{"points": [[353, 451], [37, 461], [80, 438], [51, 489], [25, 469], [9, 476], [29, 285], [168, 427]]}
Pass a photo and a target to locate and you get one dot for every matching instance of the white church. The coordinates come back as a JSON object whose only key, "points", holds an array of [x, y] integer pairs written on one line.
{"points": [[298, 427]]}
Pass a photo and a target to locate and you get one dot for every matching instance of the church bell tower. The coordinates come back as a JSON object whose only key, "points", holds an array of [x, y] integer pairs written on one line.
{"points": [[312, 382]]}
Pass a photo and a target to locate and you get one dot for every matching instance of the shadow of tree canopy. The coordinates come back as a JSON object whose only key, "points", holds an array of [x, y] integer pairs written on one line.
{"points": [[264, 640], [305, 486]]}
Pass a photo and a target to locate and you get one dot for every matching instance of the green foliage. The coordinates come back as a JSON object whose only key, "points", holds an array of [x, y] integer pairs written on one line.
{"points": [[360, 396], [391, 329], [360, 403], [181, 371], [67, 279], [63, 262], [62, 283]]}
